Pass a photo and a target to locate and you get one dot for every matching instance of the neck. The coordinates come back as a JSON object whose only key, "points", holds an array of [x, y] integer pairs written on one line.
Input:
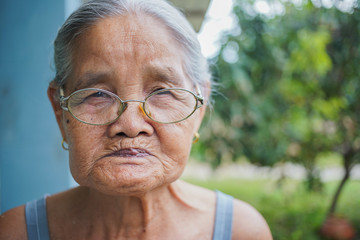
{"points": [[128, 216]]}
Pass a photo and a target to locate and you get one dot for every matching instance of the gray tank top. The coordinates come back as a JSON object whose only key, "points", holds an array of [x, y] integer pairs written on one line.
{"points": [[38, 229]]}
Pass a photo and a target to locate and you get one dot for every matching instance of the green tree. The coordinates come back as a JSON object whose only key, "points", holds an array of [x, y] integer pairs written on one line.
{"points": [[290, 89]]}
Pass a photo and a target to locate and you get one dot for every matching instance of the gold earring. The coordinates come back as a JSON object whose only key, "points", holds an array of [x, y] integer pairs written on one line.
{"points": [[196, 137], [63, 145]]}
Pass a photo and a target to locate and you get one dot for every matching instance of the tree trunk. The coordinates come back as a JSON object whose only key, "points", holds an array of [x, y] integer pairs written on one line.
{"points": [[349, 154], [335, 227], [338, 191]]}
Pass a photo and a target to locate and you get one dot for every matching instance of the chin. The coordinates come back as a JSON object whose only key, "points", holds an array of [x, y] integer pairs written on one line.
{"points": [[129, 180]]}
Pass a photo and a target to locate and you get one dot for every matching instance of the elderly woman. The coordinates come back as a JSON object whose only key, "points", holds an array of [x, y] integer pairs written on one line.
{"points": [[129, 96]]}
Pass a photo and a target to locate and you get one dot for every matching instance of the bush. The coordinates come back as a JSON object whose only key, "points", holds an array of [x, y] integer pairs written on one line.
{"points": [[291, 212]]}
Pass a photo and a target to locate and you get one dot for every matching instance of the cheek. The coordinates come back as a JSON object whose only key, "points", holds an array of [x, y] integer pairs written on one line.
{"points": [[175, 142], [84, 145]]}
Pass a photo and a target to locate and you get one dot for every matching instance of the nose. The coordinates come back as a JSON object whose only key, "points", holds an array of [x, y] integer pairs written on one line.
{"points": [[132, 121]]}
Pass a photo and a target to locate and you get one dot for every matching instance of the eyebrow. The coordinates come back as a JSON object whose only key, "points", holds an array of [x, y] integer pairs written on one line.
{"points": [[164, 74], [89, 78]]}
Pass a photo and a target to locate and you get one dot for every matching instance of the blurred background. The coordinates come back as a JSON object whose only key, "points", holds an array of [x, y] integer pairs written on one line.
{"points": [[283, 131]]}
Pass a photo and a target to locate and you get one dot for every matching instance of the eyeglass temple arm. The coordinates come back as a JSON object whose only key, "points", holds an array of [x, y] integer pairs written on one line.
{"points": [[61, 91], [199, 96], [63, 100]]}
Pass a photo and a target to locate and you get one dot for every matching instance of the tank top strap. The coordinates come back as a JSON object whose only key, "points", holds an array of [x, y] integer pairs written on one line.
{"points": [[36, 220], [223, 216]]}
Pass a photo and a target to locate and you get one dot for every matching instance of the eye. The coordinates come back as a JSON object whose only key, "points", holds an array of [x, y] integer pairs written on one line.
{"points": [[170, 94], [97, 98], [164, 92], [90, 97], [99, 95], [157, 89]]}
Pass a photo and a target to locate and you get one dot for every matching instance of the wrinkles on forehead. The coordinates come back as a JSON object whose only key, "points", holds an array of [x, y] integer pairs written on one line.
{"points": [[126, 48]]}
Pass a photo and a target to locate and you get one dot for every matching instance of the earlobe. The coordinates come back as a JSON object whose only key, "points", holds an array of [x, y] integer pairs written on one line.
{"points": [[53, 95]]}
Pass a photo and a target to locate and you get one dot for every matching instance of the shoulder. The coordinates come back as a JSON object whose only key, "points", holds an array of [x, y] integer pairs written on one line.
{"points": [[248, 223], [13, 225]]}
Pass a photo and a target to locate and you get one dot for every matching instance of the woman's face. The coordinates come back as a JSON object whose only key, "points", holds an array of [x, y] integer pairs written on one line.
{"points": [[130, 56]]}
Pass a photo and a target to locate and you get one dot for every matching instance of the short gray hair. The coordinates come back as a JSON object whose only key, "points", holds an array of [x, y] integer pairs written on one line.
{"points": [[90, 12]]}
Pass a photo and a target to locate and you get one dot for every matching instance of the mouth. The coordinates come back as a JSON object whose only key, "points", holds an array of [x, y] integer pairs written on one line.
{"points": [[130, 153]]}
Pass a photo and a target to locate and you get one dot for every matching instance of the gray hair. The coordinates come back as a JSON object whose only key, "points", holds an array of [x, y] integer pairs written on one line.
{"points": [[89, 13]]}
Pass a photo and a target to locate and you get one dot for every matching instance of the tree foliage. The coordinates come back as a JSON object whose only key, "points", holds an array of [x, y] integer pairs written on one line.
{"points": [[289, 87]]}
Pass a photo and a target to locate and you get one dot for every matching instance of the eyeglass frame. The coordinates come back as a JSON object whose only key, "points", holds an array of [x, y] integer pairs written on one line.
{"points": [[64, 103]]}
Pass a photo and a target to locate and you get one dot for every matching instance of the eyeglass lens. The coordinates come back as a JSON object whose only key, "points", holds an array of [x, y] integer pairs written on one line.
{"points": [[98, 107]]}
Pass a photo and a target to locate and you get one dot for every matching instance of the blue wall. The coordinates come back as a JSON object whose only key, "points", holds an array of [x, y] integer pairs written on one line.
{"points": [[32, 161]]}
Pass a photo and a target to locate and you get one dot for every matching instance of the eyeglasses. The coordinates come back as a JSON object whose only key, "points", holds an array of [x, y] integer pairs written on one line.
{"points": [[100, 107]]}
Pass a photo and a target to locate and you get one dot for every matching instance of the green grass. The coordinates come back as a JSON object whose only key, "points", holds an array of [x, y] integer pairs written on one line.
{"points": [[291, 212]]}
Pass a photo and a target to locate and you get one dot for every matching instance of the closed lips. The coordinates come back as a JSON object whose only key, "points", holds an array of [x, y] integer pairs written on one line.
{"points": [[129, 152]]}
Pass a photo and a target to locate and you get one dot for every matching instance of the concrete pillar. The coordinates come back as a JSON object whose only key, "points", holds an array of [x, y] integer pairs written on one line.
{"points": [[32, 161]]}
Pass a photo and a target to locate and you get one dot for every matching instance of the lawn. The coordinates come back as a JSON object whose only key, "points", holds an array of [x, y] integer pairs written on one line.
{"points": [[291, 212]]}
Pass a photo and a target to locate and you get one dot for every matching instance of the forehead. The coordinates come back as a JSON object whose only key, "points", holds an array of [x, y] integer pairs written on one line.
{"points": [[129, 29], [127, 46]]}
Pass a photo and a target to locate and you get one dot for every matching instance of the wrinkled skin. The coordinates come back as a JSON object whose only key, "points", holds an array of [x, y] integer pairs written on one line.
{"points": [[125, 55]]}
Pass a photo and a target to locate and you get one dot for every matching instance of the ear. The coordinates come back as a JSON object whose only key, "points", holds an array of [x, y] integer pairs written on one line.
{"points": [[198, 122], [53, 95], [202, 110]]}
